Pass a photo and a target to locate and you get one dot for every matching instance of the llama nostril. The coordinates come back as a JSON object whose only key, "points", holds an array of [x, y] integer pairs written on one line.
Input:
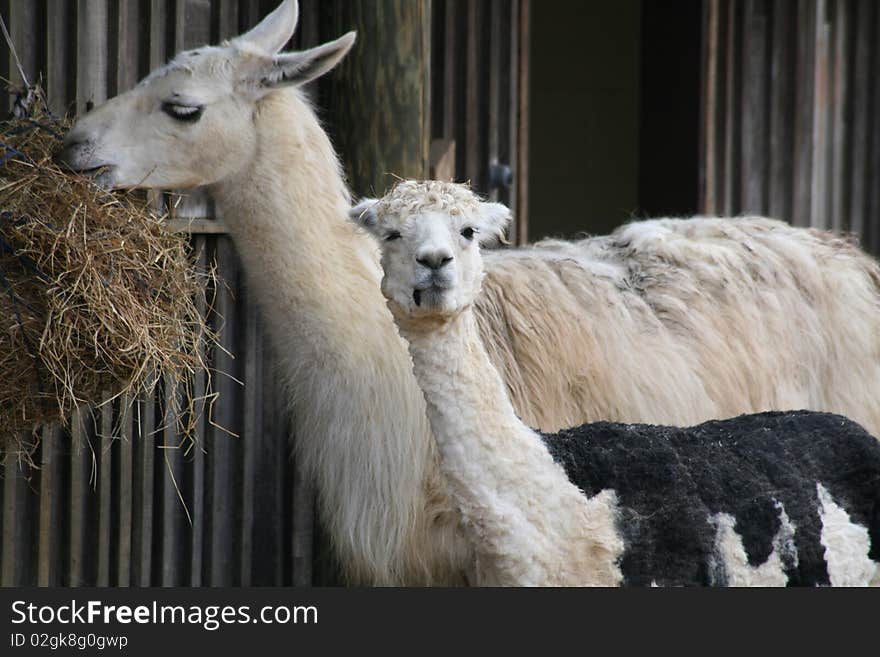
{"points": [[434, 260]]}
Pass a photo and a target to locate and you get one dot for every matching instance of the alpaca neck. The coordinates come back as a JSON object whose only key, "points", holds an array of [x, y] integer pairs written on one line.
{"points": [[458, 379], [528, 523], [358, 415], [468, 405]]}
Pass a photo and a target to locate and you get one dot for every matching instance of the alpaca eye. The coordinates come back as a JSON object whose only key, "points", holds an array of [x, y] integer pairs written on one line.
{"points": [[185, 113], [468, 233], [393, 235]]}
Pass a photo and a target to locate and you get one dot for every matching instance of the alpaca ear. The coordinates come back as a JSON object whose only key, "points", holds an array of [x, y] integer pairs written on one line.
{"points": [[364, 215], [299, 68], [494, 220]]}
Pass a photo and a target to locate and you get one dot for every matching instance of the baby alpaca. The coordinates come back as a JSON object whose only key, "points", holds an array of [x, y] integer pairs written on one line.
{"points": [[766, 499]]}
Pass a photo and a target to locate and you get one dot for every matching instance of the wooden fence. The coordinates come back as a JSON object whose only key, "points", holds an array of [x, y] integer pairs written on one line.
{"points": [[120, 501], [791, 107]]}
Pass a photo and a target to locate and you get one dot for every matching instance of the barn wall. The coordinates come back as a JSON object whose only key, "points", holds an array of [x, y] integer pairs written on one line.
{"points": [[120, 499], [791, 123]]}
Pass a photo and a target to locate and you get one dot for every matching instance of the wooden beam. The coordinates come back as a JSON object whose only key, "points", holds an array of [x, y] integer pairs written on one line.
{"points": [[379, 100]]}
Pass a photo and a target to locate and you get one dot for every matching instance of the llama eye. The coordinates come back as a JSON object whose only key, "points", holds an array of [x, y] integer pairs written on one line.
{"points": [[468, 233], [185, 113], [393, 235]]}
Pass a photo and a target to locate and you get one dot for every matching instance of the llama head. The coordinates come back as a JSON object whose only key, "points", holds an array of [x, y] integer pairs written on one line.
{"points": [[429, 235], [191, 122]]}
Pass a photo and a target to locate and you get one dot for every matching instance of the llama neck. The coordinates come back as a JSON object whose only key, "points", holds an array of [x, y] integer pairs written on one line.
{"points": [[359, 419]]}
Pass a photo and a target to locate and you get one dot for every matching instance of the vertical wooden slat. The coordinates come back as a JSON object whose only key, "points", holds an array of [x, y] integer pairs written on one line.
{"points": [[142, 534], [82, 469], [308, 31], [523, 124], [473, 95], [159, 41], [450, 88], [861, 93], [804, 109], [192, 24], [873, 213], [60, 54], [781, 107], [105, 494], [840, 132], [251, 437], [125, 520], [91, 62], [224, 20], [303, 529], [197, 456], [821, 199], [51, 511], [493, 91], [224, 505], [733, 114], [754, 107], [25, 20], [510, 105], [708, 98], [274, 482], [17, 545], [174, 520]]}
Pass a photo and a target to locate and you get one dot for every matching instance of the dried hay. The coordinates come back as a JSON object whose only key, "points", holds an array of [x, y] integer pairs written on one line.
{"points": [[96, 295]]}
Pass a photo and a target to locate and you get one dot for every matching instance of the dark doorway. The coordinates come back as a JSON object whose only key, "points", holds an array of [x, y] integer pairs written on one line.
{"points": [[615, 113]]}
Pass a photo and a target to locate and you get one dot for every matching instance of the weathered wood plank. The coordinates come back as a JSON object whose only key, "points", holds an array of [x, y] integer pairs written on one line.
{"points": [[17, 540], [820, 205], [82, 471], [755, 138], [201, 408], [733, 114], [105, 493], [782, 78], [91, 48], [523, 123], [224, 474], [840, 133], [252, 435], [710, 140], [60, 55], [51, 511], [125, 520], [804, 109], [390, 60], [145, 456], [862, 84], [174, 512]]}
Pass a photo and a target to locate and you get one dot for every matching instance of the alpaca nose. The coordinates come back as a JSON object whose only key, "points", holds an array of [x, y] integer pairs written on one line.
{"points": [[434, 259]]}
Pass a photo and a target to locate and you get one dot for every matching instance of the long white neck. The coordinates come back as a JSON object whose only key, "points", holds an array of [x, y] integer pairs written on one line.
{"points": [[529, 524], [359, 418]]}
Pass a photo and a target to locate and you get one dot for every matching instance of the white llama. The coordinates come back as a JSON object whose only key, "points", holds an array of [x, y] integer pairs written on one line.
{"points": [[663, 321], [656, 505]]}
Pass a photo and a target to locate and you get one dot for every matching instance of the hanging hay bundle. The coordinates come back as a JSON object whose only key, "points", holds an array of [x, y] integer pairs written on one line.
{"points": [[96, 295]]}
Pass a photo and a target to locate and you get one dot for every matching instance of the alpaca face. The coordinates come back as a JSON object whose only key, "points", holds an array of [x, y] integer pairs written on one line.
{"points": [[191, 122], [429, 236]]}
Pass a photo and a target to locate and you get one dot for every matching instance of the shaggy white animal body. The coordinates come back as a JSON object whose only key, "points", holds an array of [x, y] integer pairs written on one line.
{"points": [[528, 523], [557, 318]]}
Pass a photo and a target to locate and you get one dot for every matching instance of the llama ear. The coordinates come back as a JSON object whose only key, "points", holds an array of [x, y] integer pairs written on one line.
{"points": [[298, 68], [271, 33], [493, 223], [364, 215]]}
